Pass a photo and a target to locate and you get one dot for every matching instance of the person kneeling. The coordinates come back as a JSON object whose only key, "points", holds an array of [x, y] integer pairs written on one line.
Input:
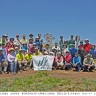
{"points": [[88, 64], [68, 61], [77, 62], [28, 59], [59, 61], [11, 59]]}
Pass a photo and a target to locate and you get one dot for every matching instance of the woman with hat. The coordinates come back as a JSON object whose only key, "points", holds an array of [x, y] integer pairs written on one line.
{"points": [[12, 60], [31, 39]]}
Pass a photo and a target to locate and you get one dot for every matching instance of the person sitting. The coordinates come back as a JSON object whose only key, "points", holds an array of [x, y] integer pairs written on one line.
{"points": [[12, 61], [88, 64], [68, 60], [20, 60], [58, 61], [3, 62], [77, 62], [28, 58], [56, 47], [47, 48], [32, 49], [37, 52], [24, 47]]}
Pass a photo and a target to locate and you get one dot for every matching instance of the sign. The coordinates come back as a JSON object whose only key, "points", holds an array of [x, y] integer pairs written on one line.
{"points": [[43, 62]]}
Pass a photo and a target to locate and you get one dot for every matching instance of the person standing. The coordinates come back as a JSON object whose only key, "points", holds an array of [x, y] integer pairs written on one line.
{"points": [[87, 46]]}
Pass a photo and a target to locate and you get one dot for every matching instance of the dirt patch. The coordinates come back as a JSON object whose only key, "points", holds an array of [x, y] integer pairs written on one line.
{"points": [[55, 73]]}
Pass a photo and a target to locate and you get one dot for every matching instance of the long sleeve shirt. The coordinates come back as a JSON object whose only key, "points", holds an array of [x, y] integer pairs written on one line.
{"points": [[11, 57], [77, 60]]}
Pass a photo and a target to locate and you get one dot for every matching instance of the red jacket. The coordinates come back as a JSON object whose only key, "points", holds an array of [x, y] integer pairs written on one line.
{"points": [[68, 59], [87, 47]]}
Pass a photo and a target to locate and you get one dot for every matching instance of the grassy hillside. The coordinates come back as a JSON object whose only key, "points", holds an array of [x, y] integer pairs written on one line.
{"points": [[42, 81]]}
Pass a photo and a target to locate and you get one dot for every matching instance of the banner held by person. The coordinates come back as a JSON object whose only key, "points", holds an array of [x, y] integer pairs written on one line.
{"points": [[43, 62]]}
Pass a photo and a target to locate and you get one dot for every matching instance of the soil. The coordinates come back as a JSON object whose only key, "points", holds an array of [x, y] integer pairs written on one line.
{"points": [[54, 73]]}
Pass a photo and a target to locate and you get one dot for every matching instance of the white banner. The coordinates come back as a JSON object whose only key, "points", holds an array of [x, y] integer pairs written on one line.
{"points": [[43, 62]]}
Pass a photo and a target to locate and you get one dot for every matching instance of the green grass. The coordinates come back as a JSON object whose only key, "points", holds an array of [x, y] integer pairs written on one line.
{"points": [[41, 81]]}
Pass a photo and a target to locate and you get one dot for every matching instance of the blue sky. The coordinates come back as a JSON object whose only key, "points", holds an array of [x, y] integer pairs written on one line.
{"points": [[59, 17]]}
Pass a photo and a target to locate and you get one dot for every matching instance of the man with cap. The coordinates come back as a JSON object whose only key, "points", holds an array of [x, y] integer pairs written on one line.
{"points": [[88, 64], [3, 62], [87, 46]]}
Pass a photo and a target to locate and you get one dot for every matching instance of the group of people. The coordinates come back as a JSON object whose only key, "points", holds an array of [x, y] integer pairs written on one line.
{"points": [[16, 54]]}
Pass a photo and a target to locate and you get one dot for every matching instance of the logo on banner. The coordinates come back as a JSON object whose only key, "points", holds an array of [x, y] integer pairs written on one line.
{"points": [[43, 62]]}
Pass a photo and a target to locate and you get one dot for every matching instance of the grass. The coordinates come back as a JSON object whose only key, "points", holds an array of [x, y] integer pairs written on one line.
{"points": [[42, 81]]}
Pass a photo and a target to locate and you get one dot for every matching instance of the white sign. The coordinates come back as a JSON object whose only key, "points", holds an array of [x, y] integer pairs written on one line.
{"points": [[43, 62]]}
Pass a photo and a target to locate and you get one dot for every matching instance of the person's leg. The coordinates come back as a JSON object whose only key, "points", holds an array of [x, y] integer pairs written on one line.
{"points": [[11, 67], [20, 66], [25, 65], [0, 68], [91, 68], [54, 66], [85, 68], [5, 67], [78, 67], [15, 67], [68, 66]]}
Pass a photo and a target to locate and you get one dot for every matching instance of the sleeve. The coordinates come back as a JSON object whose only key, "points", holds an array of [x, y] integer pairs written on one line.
{"points": [[79, 60], [9, 58], [73, 60], [84, 62], [93, 61]]}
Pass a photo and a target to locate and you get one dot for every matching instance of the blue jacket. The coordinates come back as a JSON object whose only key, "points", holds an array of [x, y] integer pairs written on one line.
{"points": [[73, 51], [2, 59], [93, 53], [77, 60]]}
